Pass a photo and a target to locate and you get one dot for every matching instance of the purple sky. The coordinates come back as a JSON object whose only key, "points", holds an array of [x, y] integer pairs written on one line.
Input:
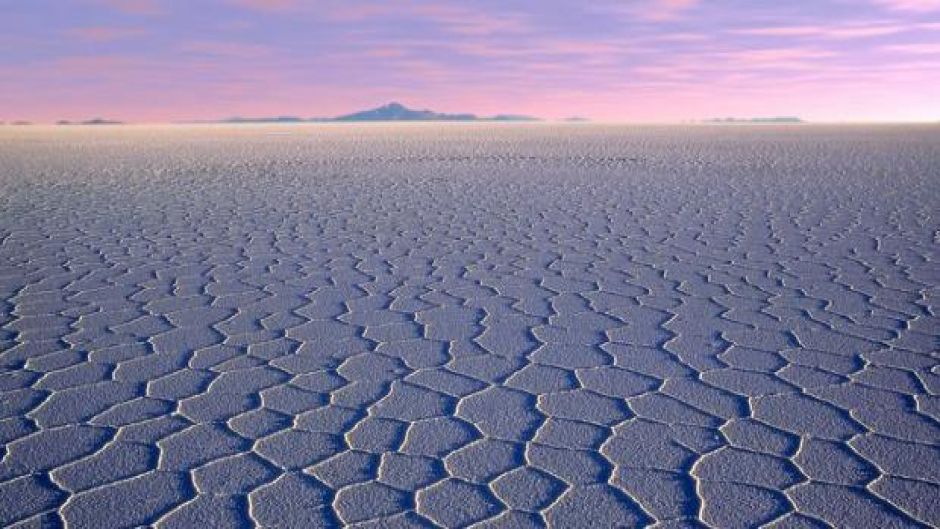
{"points": [[629, 60]]}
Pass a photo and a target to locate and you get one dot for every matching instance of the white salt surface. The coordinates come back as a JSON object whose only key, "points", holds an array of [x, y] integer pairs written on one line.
{"points": [[448, 325]]}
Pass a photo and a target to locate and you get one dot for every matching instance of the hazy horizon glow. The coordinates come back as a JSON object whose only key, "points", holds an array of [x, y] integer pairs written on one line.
{"points": [[638, 60]]}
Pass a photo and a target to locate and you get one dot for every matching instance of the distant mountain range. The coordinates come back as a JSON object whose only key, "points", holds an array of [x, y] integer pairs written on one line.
{"points": [[779, 119], [390, 112]]}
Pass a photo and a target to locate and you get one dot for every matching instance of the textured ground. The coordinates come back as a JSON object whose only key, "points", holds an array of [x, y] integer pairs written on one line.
{"points": [[579, 326]]}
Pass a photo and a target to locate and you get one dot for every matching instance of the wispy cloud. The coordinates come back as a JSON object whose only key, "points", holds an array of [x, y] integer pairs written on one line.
{"points": [[920, 6], [134, 7], [266, 5], [105, 33], [447, 17], [922, 48], [662, 10], [226, 49], [841, 31]]}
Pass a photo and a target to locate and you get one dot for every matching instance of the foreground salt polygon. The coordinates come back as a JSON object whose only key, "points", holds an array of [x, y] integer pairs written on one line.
{"points": [[510, 326]]}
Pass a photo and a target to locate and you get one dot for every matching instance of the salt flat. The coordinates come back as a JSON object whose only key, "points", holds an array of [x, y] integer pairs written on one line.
{"points": [[443, 324]]}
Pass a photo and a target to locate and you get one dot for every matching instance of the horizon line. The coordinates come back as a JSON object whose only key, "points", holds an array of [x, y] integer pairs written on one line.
{"points": [[535, 121]]}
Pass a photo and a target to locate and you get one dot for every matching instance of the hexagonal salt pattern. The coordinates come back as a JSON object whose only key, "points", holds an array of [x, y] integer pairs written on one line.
{"points": [[455, 325]]}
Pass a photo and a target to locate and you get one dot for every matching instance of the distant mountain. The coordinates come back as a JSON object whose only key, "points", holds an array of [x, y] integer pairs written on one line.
{"points": [[511, 117], [576, 119], [95, 121], [390, 112], [779, 119], [399, 112]]}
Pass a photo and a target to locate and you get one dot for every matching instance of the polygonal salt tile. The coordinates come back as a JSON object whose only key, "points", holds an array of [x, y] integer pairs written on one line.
{"points": [[912, 496], [585, 406], [291, 400], [208, 510], [259, 423], [833, 462], [502, 413], [77, 375], [152, 431], [444, 381], [319, 381], [595, 506], [293, 500], [377, 435], [570, 356], [215, 407], [648, 361], [898, 457], [796, 521], [898, 422], [50, 448], [405, 520], [368, 501], [735, 505], [512, 520], [485, 367], [572, 466], [135, 502], [846, 506], [371, 367], [411, 403], [416, 354], [246, 381], [346, 468], [712, 400], [133, 411], [27, 496], [484, 460], [114, 462], [645, 444], [197, 445], [360, 395], [565, 433], [297, 449], [331, 419], [456, 503], [527, 489], [180, 384], [803, 415], [616, 382], [742, 466], [757, 436], [537, 379], [233, 475], [662, 493], [438, 437], [79, 404], [410, 472]]}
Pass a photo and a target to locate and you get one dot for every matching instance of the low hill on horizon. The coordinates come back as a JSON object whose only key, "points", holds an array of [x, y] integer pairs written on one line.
{"points": [[390, 112]]}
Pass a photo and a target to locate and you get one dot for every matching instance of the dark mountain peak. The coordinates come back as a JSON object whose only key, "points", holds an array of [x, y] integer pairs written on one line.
{"points": [[395, 111]]}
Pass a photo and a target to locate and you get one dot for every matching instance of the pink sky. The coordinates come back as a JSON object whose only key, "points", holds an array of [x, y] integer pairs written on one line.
{"points": [[634, 60]]}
